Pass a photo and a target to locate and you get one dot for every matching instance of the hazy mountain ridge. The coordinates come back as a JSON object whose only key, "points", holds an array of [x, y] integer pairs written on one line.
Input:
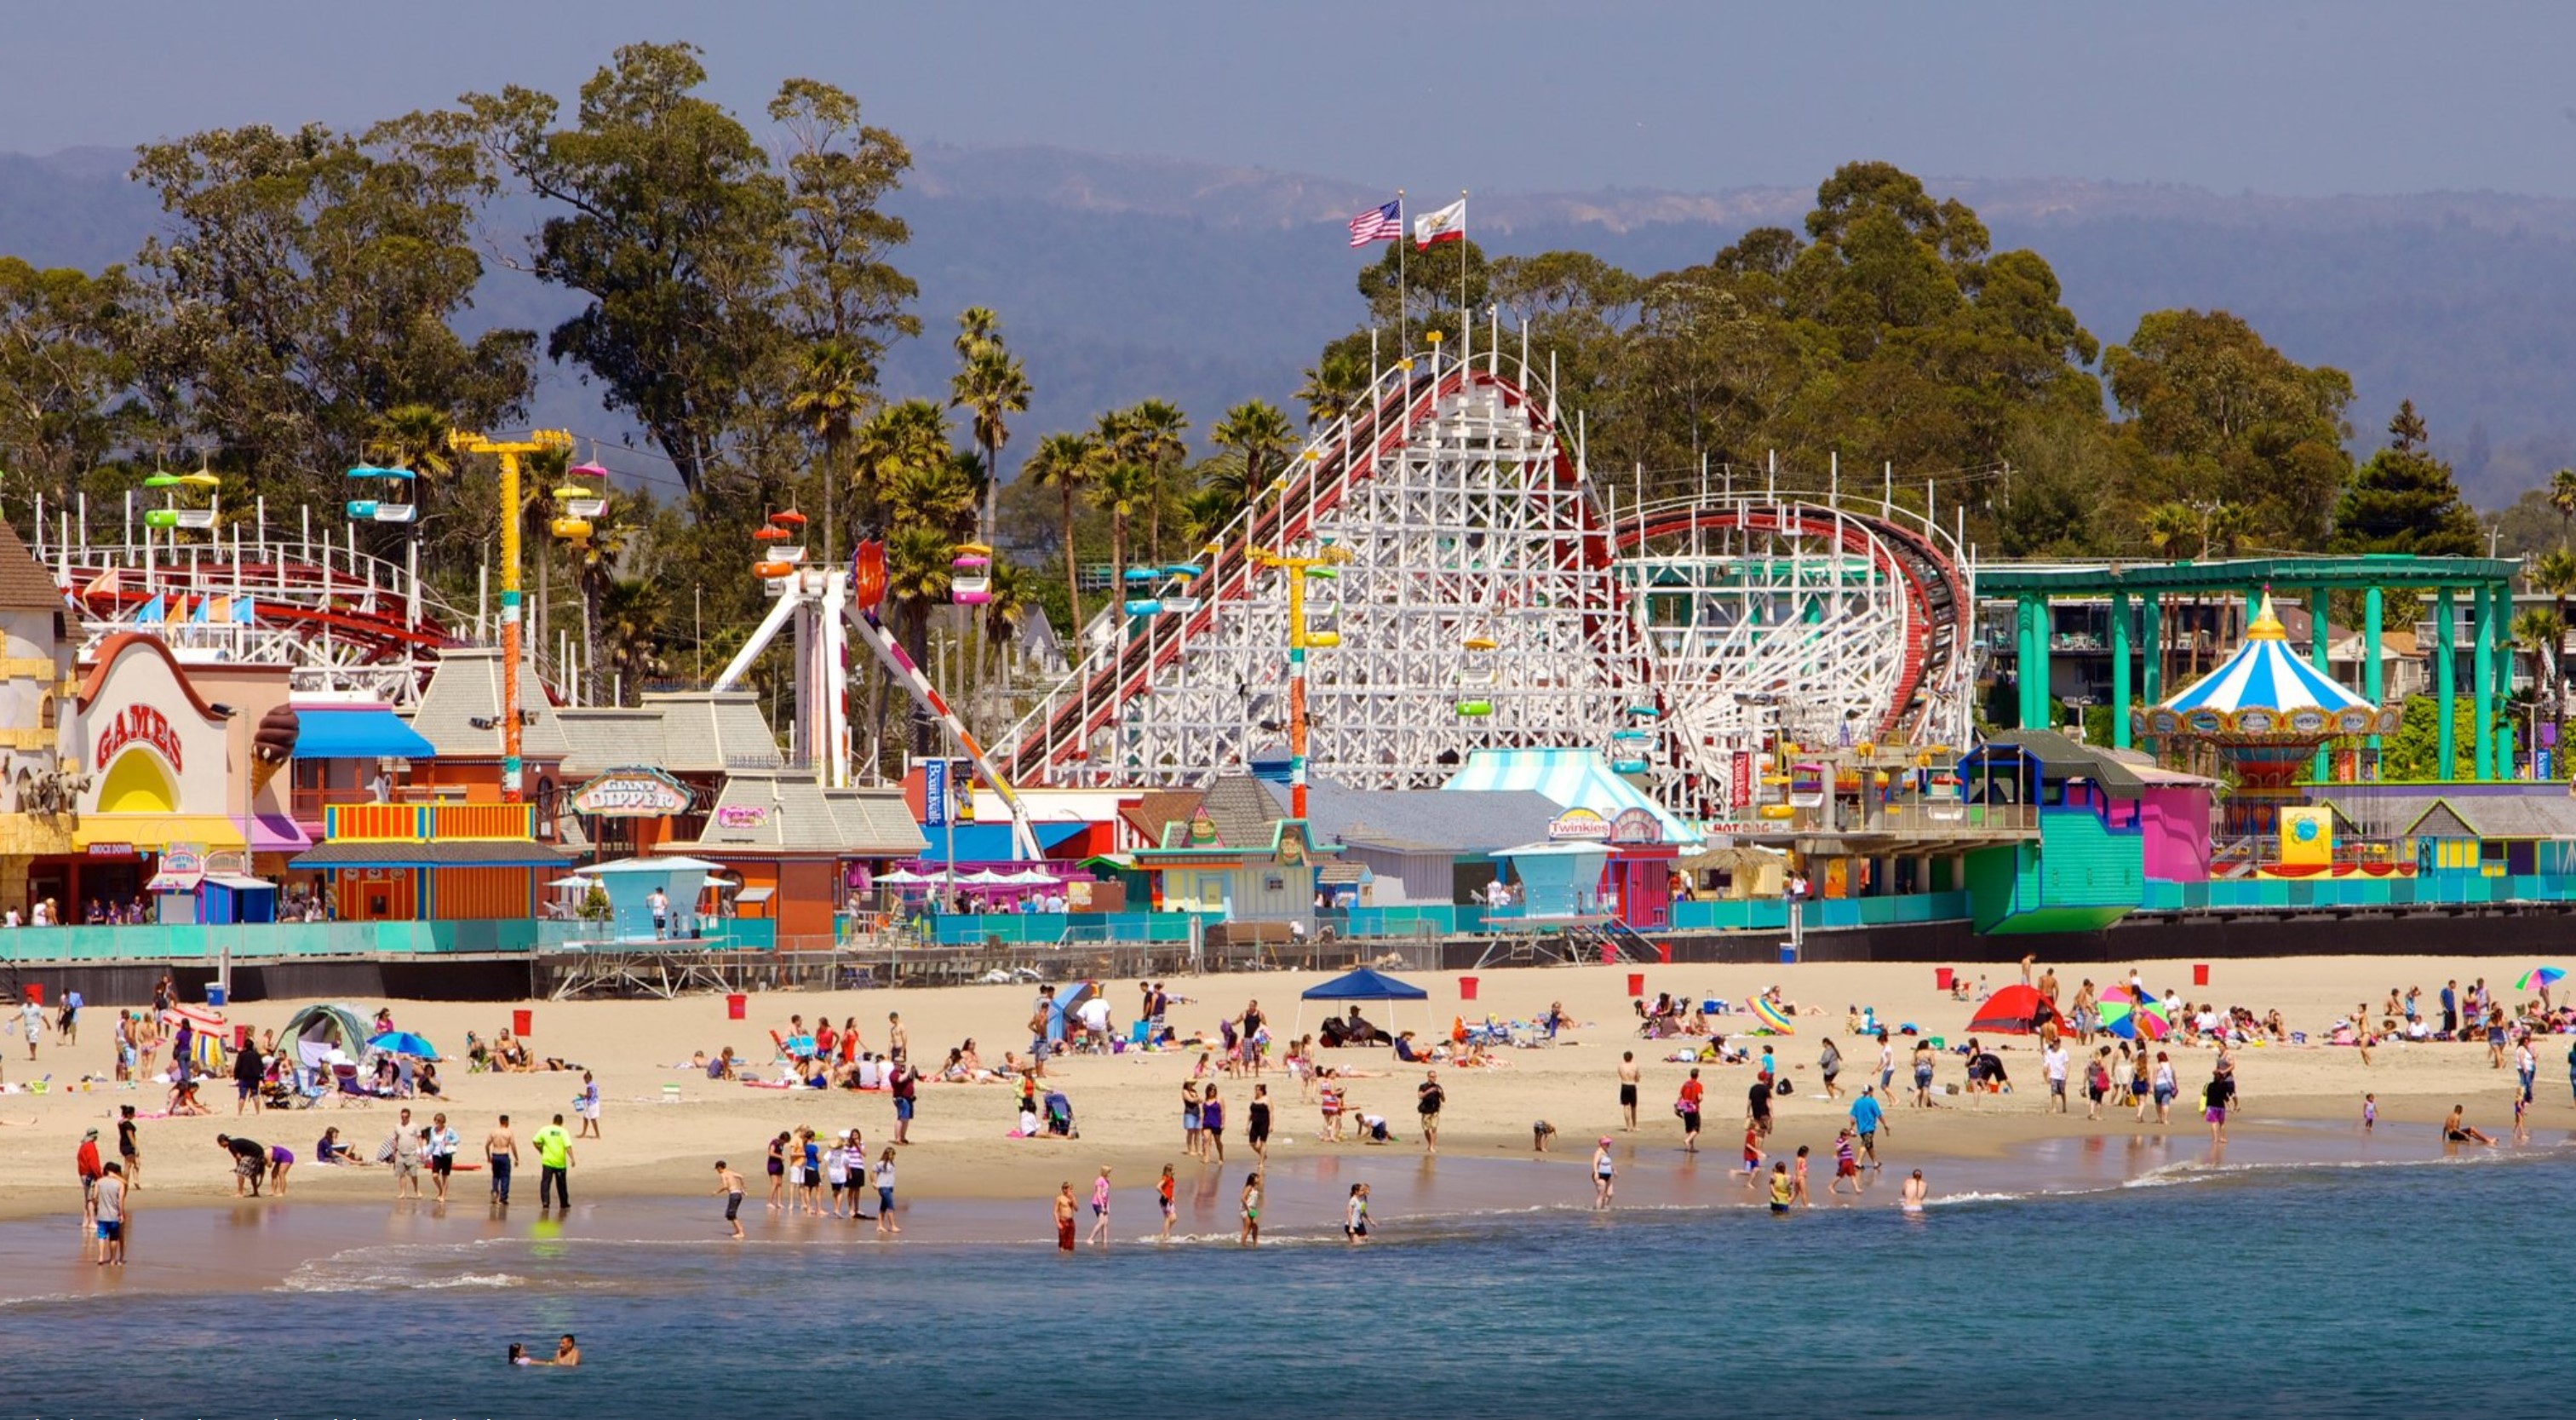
{"points": [[1119, 277]]}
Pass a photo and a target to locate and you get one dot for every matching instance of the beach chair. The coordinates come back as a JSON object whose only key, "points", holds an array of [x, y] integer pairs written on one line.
{"points": [[347, 1088], [1139, 1034]]}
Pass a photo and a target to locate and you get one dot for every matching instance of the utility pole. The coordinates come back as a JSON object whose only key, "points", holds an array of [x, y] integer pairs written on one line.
{"points": [[509, 452]]}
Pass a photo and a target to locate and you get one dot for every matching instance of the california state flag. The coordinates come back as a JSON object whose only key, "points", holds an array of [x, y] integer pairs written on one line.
{"points": [[1449, 224]]}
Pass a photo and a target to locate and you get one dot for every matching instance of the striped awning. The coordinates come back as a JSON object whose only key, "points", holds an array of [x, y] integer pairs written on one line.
{"points": [[1569, 778], [2263, 675]]}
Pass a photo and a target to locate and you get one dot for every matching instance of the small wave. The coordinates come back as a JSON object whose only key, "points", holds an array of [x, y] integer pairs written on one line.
{"points": [[1953, 1200], [398, 1281]]}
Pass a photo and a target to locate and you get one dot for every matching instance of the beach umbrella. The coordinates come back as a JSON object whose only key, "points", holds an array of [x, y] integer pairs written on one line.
{"points": [[2130, 1020], [403, 1042], [901, 877], [1772, 1017], [201, 1019], [2541, 976]]}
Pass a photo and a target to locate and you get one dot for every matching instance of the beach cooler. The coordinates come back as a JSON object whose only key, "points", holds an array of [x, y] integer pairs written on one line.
{"points": [[214, 995]]}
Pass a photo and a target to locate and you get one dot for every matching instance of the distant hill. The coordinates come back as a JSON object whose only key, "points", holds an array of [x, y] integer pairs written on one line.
{"points": [[1119, 277]]}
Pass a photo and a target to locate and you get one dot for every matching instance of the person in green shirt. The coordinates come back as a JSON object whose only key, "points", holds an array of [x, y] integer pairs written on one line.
{"points": [[554, 1160]]}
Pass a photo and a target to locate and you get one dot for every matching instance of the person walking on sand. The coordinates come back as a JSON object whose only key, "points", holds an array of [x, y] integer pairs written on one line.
{"points": [[1163, 1189], [1428, 1098], [1602, 1169], [442, 1153], [1212, 1126], [1064, 1217], [778, 1168], [1100, 1208], [586, 1104], [1688, 1108], [2052, 1062], [1256, 1124], [1829, 1063], [2165, 1089], [129, 1143], [1752, 1153], [1886, 1065], [1193, 1124], [1628, 1079], [1868, 1117], [501, 1154], [554, 1166], [885, 1195], [729, 1188], [905, 1084], [1252, 1210], [1923, 1075]]}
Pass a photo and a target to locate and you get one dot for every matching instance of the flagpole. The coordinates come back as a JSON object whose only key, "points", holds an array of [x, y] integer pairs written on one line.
{"points": [[1403, 239], [1464, 315]]}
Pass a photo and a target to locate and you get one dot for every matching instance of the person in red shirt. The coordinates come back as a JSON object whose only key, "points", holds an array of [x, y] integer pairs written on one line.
{"points": [[86, 1160], [1688, 1108]]}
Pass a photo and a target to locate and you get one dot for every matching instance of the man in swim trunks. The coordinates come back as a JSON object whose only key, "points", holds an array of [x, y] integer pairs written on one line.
{"points": [[1064, 1217], [729, 1185], [250, 1163], [109, 1201], [1628, 1090]]}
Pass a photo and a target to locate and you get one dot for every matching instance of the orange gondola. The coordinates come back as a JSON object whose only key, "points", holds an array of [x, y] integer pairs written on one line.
{"points": [[771, 534], [788, 518]]}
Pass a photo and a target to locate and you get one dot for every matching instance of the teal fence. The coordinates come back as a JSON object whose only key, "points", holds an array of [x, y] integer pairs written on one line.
{"points": [[261, 940], [2434, 889], [1770, 914], [1046, 929]]}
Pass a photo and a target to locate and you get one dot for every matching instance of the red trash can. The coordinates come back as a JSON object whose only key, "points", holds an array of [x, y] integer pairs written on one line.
{"points": [[1636, 983], [1466, 988], [520, 1021], [1943, 977], [737, 1006], [2200, 973], [241, 1037], [36, 992]]}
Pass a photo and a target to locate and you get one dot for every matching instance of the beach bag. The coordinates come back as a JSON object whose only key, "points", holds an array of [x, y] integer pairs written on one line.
{"points": [[1681, 1107]]}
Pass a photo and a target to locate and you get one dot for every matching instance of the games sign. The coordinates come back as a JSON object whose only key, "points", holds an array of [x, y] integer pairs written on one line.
{"points": [[138, 724]]}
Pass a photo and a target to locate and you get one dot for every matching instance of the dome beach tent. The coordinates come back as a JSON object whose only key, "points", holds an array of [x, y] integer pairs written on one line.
{"points": [[323, 1027], [1359, 984], [2015, 1010]]}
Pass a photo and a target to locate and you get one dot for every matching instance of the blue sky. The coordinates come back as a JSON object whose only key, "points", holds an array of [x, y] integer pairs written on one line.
{"points": [[2292, 98]]}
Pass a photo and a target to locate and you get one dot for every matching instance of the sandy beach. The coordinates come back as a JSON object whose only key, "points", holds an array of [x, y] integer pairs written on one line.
{"points": [[1126, 1105]]}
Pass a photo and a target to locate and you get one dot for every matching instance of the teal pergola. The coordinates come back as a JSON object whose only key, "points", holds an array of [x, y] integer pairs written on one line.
{"points": [[2487, 582]]}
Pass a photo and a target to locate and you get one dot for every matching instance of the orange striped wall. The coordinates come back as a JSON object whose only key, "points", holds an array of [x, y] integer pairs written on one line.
{"points": [[372, 821], [478, 894], [449, 821]]}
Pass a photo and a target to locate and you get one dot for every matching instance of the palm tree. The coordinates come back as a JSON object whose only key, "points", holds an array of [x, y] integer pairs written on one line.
{"points": [[1065, 462], [831, 388], [1258, 431], [2562, 496], [1006, 608], [1333, 384], [2555, 574], [1155, 430], [594, 572], [631, 615], [1206, 511], [895, 439], [978, 329], [917, 578], [414, 436], [937, 496], [1116, 491], [990, 388], [2541, 632]]}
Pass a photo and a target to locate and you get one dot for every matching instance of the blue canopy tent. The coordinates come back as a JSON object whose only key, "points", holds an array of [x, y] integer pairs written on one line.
{"points": [[1066, 1001], [1359, 984]]}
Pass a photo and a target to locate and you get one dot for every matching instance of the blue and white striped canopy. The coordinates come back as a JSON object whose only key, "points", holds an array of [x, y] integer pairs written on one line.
{"points": [[2263, 675]]}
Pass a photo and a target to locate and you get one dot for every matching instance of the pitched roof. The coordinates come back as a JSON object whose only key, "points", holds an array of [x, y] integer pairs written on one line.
{"points": [[680, 732], [1157, 809], [1427, 820], [25, 585], [2519, 816], [2063, 758], [466, 687], [1245, 814], [776, 811]]}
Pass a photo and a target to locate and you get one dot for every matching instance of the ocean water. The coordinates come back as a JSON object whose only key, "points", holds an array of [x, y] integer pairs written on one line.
{"points": [[2249, 1290]]}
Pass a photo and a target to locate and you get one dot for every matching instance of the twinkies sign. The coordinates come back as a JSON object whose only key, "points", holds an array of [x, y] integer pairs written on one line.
{"points": [[138, 724], [631, 793]]}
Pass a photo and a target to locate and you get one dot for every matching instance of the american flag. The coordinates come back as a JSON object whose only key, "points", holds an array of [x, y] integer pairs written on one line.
{"points": [[1378, 224]]}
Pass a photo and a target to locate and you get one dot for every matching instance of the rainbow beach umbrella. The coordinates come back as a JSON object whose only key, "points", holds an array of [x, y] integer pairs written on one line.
{"points": [[2541, 976], [2130, 1020], [1773, 1019]]}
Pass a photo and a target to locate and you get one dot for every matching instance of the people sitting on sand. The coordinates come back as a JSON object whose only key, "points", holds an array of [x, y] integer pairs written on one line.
{"points": [[330, 1150], [183, 1097], [425, 1079], [1412, 1054], [510, 1054], [478, 1056]]}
